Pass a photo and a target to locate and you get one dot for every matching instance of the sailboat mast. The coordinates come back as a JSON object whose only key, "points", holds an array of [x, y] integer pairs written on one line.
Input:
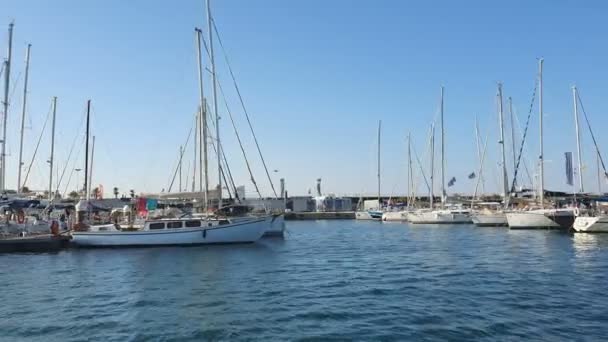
{"points": [[195, 151], [432, 194], [379, 128], [599, 177], [23, 109], [541, 157], [86, 152], [410, 185], [578, 141], [7, 80], [202, 123], [181, 154], [511, 117], [52, 149], [502, 146], [443, 193], [217, 117], [91, 168]]}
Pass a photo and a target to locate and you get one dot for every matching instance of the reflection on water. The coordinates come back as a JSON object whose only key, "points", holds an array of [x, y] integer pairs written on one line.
{"points": [[350, 280]]}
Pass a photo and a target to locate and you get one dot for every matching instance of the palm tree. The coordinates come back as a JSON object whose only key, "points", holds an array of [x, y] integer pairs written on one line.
{"points": [[115, 192], [74, 195]]}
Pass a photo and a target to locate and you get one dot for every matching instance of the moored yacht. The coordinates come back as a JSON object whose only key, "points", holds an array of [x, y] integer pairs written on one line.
{"points": [[541, 219], [183, 231], [591, 224], [441, 216]]}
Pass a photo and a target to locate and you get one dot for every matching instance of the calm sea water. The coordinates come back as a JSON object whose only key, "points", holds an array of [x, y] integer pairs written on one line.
{"points": [[328, 280]]}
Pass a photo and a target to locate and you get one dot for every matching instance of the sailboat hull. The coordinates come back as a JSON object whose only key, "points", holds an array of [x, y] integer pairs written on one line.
{"points": [[368, 215], [541, 219], [238, 232], [598, 224], [490, 220], [400, 216], [439, 217]]}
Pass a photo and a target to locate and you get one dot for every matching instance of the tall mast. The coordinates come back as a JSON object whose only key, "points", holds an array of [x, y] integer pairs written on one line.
{"points": [[202, 123], [505, 182], [91, 168], [7, 81], [599, 177], [86, 152], [379, 128], [52, 149], [195, 152], [443, 193], [578, 141], [23, 109], [432, 194], [410, 189], [181, 154], [511, 116], [541, 157], [217, 117]]}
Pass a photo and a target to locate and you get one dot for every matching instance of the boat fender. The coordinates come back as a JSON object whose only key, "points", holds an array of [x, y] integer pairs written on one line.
{"points": [[55, 228], [20, 218], [576, 211]]}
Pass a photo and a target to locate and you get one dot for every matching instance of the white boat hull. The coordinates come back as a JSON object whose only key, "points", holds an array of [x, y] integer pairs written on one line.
{"points": [[598, 224], [439, 217], [540, 219], [368, 215], [401, 216], [243, 231], [490, 220], [277, 227]]}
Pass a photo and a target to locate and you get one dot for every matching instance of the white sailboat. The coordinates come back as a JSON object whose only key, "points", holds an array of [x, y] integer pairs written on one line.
{"points": [[450, 215], [541, 218], [494, 215], [372, 213], [183, 231], [175, 232], [402, 215]]}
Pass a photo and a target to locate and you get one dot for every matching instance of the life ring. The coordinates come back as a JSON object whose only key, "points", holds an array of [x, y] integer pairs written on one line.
{"points": [[20, 218], [577, 211]]}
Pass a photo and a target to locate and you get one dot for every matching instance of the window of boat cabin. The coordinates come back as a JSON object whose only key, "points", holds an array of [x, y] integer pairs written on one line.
{"points": [[222, 222], [159, 225], [175, 224], [193, 223]]}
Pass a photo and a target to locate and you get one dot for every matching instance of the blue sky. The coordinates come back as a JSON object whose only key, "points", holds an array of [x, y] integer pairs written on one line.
{"points": [[316, 77]]}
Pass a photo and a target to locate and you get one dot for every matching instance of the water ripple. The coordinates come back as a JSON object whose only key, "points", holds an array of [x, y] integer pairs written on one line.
{"points": [[329, 280]]}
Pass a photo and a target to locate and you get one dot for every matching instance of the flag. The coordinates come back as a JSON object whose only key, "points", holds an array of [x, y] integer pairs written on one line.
{"points": [[472, 175], [569, 169], [452, 181]]}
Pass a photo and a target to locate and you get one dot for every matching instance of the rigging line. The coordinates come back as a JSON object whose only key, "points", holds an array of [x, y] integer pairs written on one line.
{"points": [[524, 161], [223, 174], [592, 135], [219, 39], [67, 162], [225, 161], [428, 186], [181, 157], [82, 142], [27, 174], [523, 140], [15, 84], [238, 138]]}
